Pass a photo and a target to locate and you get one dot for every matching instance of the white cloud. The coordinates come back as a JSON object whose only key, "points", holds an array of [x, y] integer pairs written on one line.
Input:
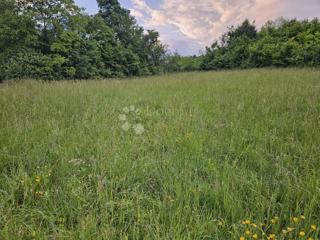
{"points": [[202, 21]]}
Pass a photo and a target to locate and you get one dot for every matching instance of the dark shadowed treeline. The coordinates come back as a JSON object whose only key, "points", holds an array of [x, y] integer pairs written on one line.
{"points": [[54, 39]]}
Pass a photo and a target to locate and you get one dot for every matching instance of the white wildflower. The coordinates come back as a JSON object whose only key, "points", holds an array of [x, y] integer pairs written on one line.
{"points": [[126, 110], [132, 108], [122, 117], [126, 127], [138, 129]]}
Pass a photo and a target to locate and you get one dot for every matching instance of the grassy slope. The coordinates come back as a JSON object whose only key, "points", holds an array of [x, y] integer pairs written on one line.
{"points": [[219, 148]]}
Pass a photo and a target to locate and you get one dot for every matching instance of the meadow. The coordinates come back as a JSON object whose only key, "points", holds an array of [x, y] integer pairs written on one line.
{"points": [[213, 155]]}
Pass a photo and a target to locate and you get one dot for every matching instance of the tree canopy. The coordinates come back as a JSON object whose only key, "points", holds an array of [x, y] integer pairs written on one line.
{"points": [[279, 43], [55, 39]]}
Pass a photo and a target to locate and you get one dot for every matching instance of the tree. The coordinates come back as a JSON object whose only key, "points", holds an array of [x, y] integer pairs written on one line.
{"points": [[16, 31], [279, 43], [52, 18]]}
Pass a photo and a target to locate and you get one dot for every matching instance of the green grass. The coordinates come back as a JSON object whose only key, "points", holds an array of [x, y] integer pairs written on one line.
{"points": [[219, 147]]}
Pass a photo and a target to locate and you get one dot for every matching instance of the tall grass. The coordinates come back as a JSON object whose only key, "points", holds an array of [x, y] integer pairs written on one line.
{"points": [[219, 148]]}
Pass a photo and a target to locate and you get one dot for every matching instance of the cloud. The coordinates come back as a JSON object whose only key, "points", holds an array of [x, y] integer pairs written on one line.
{"points": [[203, 21]]}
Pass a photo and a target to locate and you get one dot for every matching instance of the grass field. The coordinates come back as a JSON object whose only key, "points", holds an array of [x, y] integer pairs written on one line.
{"points": [[219, 148]]}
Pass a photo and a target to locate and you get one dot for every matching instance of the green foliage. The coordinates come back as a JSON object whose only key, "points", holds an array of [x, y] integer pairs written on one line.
{"points": [[62, 42], [177, 63], [143, 53], [280, 43], [16, 31], [30, 64]]}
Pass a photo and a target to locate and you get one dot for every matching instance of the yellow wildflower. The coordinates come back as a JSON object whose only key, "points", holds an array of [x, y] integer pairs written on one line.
{"points": [[242, 238], [271, 236], [37, 179], [255, 236], [290, 229], [314, 227], [302, 217], [310, 238], [302, 234], [254, 225], [247, 222], [273, 221], [247, 232], [295, 220], [284, 231]]}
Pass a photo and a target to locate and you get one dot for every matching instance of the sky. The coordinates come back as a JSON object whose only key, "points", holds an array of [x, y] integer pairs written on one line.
{"points": [[187, 26]]}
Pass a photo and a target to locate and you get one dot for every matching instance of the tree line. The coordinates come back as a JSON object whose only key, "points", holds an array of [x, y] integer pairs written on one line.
{"points": [[55, 39], [279, 43]]}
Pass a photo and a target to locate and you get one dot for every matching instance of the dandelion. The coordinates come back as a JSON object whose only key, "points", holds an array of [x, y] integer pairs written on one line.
{"points": [[40, 193], [289, 229], [247, 222], [242, 238], [272, 235], [302, 234], [126, 110], [295, 220], [126, 126], [122, 117], [255, 236], [138, 129], [314, 227]]}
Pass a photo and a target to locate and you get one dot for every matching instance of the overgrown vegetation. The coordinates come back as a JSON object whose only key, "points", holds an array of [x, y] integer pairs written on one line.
{"points": [[54, 39], [216, 155], [280, 43]]}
